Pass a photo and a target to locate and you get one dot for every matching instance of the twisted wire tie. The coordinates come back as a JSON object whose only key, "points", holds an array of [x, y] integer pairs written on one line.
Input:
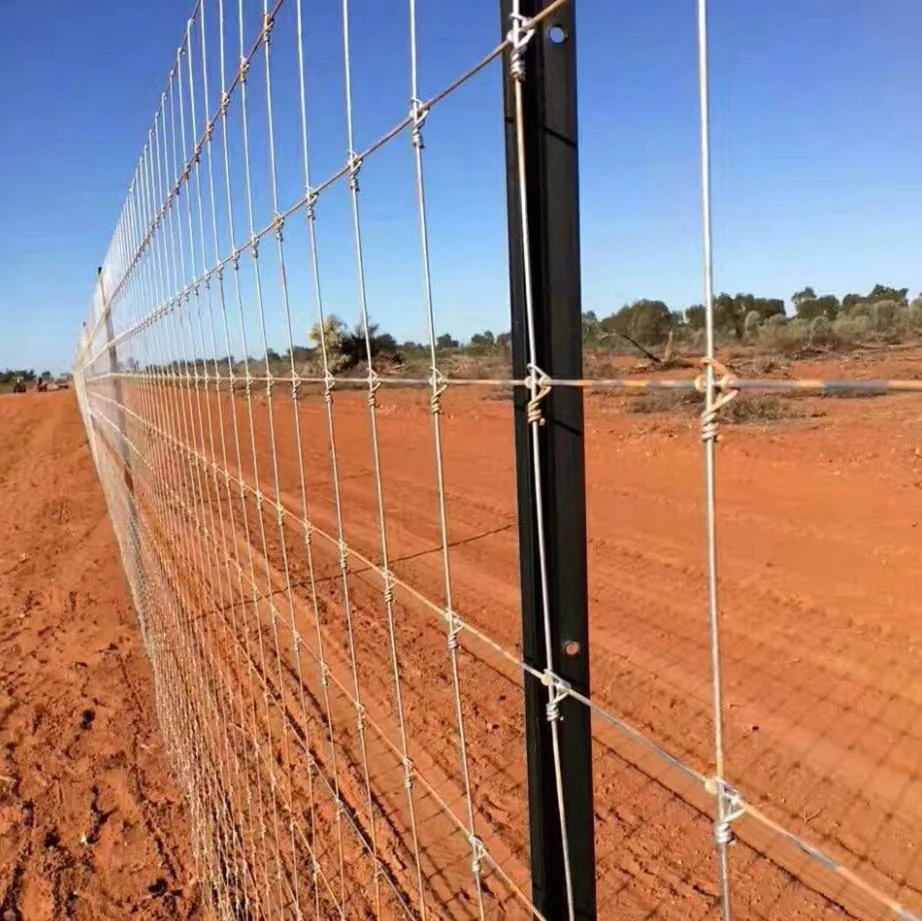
{"points": [[478, 852], [388, 588], [541, 387], [329, 382], [374, 385], [418, 113], [310, 209], [726, 384], [518, 37], [435, 401], [454, 631], [558, 690], [733, 800], [355, 164]]}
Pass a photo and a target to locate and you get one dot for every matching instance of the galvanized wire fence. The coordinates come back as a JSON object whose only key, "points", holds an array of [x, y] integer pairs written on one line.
{"points": [[326, 684]]}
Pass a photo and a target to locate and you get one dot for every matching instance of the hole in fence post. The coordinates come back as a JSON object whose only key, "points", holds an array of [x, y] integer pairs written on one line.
{"points": [[557, 35]]}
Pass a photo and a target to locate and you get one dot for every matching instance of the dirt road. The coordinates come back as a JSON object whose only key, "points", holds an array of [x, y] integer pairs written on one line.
{"points": [[92, 825]]}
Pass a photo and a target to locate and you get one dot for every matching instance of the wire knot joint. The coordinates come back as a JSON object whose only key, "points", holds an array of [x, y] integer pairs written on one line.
{"points": [[519, 36], [439, 386], [418, 113], [717, 377], [730, 807], [540, 386]]}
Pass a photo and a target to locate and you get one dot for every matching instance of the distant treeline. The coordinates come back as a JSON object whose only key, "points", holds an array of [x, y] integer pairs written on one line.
{"points": [[816, 319]]}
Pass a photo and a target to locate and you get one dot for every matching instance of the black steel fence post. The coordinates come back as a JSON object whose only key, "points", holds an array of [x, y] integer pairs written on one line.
{"points": [[551, 201]]}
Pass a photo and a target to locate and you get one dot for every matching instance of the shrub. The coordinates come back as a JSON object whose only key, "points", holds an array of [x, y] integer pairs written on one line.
{"points": [[787, 338], [751, 324], [663, 401], [821, 331], [849, 331], [755, 408], [884, 315], [859, 309]]}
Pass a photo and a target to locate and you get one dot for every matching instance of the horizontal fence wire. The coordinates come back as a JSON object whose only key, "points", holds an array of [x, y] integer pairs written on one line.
{"points": [[281, 623]]}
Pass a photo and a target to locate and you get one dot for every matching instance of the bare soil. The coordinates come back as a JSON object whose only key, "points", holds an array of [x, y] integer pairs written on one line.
{"points": [[820, 501], [92, 824]]}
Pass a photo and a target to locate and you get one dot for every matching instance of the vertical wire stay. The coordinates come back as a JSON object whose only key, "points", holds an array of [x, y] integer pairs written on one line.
{"points": [[225, 598], [709, 437], [310, 219], [293, 883], [243, 657], [251, 248], [438, 387], [296, 638], [387, 582], [355, 163], [243, 826]]}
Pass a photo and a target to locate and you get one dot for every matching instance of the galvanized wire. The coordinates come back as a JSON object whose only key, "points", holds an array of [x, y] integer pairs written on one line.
{"points": [[709, 438], [260, 744]]}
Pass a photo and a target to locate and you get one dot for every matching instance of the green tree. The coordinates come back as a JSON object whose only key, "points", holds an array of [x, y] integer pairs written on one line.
{"points": [[590, 327], [331, 335], [810, 308], [645, 322], [751, 324], [885, 293], [695, 316], [482, 342], [798, 298], [357, 347], [445, 341]]}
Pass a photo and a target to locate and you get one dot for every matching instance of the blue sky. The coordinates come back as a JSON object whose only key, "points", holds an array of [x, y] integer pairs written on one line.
{"points": [[817, 160]]}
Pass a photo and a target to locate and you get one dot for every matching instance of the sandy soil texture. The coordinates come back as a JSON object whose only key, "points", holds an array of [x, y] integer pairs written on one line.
{"points": [[91, 822], [282, 669]]}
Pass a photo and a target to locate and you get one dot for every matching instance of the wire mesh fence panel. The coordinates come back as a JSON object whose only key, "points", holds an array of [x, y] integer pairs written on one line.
{"points": [[367, 574]]}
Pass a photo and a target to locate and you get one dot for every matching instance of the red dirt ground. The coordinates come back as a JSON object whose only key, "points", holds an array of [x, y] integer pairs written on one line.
{"points": [[91, 823], [821, 572]]}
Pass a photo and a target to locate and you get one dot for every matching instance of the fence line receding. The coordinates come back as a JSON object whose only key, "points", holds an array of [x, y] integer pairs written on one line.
{"points": [[356, 731]]}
